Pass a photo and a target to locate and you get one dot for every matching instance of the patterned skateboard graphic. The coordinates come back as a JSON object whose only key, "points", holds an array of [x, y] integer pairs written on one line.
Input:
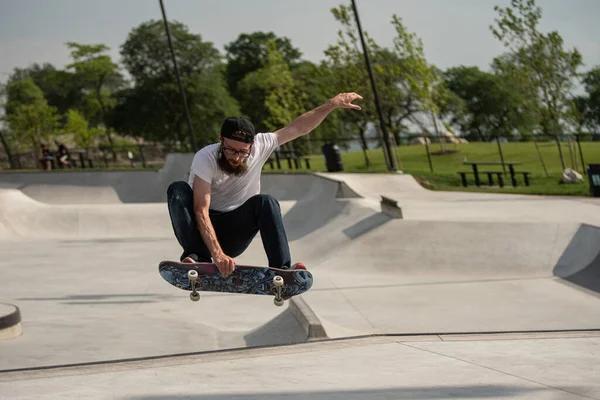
{"points": [[248, 280]]}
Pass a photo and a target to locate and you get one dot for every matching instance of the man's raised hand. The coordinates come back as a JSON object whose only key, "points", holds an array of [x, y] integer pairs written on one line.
{"points": [[344, 100]]}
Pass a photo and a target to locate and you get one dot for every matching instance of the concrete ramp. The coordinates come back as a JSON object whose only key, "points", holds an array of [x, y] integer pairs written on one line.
{"points": [[67, 187], [71, 194], [100, 187], [420, 277], [316, 201], [374, 185], [78, 209], [306, 186], [23, 217], [420, 204], [421, 249]]}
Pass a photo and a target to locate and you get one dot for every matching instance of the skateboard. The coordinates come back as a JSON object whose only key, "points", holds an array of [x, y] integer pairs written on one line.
{"points": [[247, 279]]}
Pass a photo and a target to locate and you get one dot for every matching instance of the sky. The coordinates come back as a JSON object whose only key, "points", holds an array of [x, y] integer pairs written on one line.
{"points": [[454, 32]]}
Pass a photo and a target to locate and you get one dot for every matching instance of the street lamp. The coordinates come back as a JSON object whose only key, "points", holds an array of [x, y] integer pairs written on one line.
{"points": [[391, 164], [181, 91]]}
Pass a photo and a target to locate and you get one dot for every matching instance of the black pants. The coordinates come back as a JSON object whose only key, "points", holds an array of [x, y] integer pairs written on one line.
{"points": [[235, 229]]}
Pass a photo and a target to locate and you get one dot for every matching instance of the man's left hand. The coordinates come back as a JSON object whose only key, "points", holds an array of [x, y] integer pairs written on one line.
{"points": [[344, 100]]}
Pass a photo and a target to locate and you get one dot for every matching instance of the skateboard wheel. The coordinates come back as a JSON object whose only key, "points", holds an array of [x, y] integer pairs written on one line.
{"points": [[278, 302], [278, 281], [192, 275], [195, 296]]}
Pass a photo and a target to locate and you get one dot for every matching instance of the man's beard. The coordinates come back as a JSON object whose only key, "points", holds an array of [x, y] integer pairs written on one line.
{"points": [[230, 169]]}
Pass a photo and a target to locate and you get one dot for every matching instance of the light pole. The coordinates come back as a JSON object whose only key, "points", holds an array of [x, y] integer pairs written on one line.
{"points": [[391, 164], [181, 91]]}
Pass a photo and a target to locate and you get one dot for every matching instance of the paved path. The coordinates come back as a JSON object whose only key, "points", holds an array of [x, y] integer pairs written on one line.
{"points": [[372, 368]]}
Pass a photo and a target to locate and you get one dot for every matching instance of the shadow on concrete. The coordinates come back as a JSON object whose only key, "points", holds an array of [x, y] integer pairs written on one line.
{"points": [[580, 262], [307, 217], [283, 329], [366, 225], [99, 298], [89, 303], [88, 241], [436, 392]]}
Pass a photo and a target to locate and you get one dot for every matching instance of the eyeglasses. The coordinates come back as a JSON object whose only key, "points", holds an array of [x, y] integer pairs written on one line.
{"points": [[232, 152]]}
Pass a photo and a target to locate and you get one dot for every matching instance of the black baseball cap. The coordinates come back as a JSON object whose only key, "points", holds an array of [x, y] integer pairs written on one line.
{"points": [[238, 128]]}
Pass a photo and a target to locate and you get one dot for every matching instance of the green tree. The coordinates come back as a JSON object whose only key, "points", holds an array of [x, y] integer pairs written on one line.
{"points": [[273, 89], [346, 63], [152, 108], [100, 76], [454, 112], [21, 92], [33, 123], [408, 86], [77, 125], [62, 89], [29, 118], [4, 138], [249, 52], [589, 105], [147, 57], [548, 68], [416, 75], [313, 82], [424, 89], [284, 101], [494, 103]]}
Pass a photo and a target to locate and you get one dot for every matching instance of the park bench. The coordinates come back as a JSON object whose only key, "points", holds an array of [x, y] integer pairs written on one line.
{"points": [[499, 174]]}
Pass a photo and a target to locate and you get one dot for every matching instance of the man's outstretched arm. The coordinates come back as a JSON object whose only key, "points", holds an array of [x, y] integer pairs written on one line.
{"points": [[225, 264], [308, 121]]}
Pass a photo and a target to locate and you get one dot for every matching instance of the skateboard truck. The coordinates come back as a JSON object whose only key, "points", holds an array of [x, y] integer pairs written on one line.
{"points": [[193, 277], [278, 285]]}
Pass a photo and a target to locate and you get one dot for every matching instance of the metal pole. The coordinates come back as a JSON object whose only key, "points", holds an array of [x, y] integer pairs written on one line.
{"points": [[428, 153], [580, 153], [386, 140], [181, 91], [501, 155]]}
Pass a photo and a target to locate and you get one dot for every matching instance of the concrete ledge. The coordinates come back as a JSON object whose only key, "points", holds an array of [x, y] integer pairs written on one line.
{"points": [[308, 319], [390, 207], [343, 191], [10, 322]]}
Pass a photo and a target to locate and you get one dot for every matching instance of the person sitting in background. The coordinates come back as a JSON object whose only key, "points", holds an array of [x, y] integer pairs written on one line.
{"points": [[46, 160], [62, 155]]}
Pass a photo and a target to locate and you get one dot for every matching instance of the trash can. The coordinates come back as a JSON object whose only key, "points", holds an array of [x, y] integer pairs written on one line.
{"points": [[333, 157], [593, 171]]}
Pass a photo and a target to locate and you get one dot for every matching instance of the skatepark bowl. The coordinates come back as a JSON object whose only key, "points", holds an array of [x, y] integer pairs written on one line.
{"points": [[417, 294]]}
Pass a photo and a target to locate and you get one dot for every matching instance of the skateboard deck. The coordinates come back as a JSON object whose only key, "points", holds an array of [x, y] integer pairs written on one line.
{"points": [[246, 279]]}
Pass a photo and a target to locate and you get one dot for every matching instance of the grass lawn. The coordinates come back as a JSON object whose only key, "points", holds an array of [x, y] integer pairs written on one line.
{"points": [[445, 167]]}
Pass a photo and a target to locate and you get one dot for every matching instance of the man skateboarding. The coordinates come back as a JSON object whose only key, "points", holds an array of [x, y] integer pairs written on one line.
{"points": [[219, 211]]}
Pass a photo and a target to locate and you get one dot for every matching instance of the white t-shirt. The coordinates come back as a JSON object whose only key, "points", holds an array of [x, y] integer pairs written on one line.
{"points": [[228, 192]]}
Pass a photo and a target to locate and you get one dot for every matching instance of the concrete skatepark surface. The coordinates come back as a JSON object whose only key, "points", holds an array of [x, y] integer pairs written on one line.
{"points": [[466, 296]]}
